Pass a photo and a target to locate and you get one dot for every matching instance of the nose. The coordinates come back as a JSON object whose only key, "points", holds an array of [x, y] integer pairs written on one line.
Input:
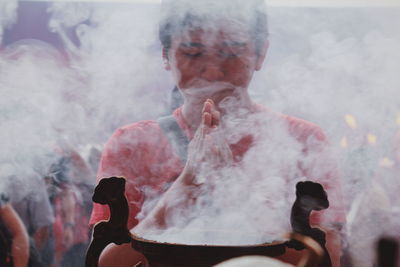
{"points": [[212, 72]]}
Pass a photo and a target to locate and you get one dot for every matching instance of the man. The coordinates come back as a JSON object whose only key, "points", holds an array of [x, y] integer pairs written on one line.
{"points": [[212, 49]]}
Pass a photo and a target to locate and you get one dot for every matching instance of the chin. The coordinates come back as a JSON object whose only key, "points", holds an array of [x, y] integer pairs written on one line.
{"points": [[224, 93]]}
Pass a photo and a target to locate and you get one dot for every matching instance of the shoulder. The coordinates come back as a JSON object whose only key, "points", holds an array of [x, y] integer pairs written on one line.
{"points": [[133, 139], [142, 128], [304, 130], [135, 133]]}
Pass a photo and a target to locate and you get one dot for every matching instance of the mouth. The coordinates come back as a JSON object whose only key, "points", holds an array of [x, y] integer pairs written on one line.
{"points": [[210, 90]]}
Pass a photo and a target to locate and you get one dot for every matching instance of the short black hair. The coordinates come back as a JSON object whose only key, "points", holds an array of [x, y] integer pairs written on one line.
{"points": [[170, 24]]}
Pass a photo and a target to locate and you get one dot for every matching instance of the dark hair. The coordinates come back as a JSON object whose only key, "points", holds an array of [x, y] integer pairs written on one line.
{"points": [[59, 171], [171, 24]]}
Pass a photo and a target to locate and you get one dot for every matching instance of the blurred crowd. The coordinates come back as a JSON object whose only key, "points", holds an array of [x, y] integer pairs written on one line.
{"points": [[53, 214], [46, 183]]}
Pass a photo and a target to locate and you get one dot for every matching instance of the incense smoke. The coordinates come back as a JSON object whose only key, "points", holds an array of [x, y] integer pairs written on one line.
{"points": [[336, 67]]}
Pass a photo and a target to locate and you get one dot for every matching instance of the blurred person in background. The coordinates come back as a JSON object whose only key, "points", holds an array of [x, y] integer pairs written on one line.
{"points": [[14, 240], [25, 187], [57, 218], [69, 190], [212, 59], [33, 207]]}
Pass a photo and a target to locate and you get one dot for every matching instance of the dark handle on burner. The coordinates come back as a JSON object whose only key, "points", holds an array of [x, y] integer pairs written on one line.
{"points": [[309, 196], [111, 192]]}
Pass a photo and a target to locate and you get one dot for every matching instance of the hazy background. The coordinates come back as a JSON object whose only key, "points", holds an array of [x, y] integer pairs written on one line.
{"points": [[98, 66]]}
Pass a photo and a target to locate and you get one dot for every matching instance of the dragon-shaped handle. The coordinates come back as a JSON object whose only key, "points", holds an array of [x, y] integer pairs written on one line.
{"points": [[309, 196], [111, 192]]}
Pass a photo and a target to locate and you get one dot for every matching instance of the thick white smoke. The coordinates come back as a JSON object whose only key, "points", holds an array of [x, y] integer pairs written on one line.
{"points": [[8, 14], [335, 67], [236, 199], [118, 55], [33, 113]]}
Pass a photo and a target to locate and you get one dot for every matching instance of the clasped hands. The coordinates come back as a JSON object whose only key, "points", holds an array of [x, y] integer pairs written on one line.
{"points": [[208, 150]]}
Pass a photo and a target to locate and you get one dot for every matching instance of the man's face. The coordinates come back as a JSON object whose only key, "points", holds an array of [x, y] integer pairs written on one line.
{"points": [[213, 63]]}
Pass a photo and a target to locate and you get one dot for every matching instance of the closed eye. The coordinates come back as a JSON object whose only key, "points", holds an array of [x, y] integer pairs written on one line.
{"points": [[192, 49], [232, 49], [193, 54], [229, 54]]}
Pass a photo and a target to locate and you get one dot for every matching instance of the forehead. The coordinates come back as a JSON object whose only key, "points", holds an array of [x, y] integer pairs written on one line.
{"points": [[211, 33]]}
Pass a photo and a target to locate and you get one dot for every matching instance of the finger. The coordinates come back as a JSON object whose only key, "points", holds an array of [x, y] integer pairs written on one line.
{"points": [[215, 118], [207, 119], [214, 112], [209, 100], [207, 106], [211, 105]]}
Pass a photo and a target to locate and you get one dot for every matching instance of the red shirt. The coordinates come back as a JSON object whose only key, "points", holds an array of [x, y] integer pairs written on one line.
{"points": [[142, 154]]}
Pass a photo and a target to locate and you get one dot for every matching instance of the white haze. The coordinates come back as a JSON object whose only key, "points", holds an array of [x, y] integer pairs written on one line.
{"points": [[322, 65], [232, 202], [252, 198], [345, 62], [8, 14]]}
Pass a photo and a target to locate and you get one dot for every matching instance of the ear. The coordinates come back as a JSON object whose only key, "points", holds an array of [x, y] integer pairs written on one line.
{"points": [[165, 56], [261, 55]]}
